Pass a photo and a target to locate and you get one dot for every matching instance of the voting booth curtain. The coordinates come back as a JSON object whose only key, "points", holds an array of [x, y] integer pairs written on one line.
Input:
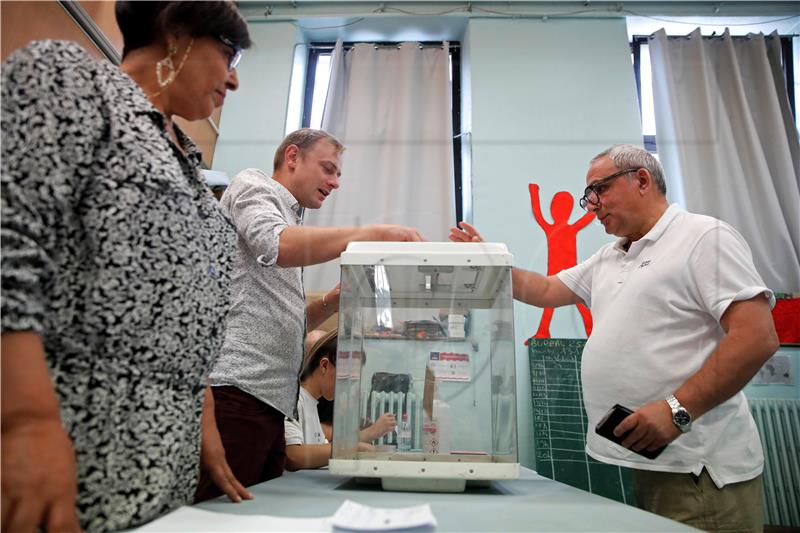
{"points": [[728, 142], [391, 107]]}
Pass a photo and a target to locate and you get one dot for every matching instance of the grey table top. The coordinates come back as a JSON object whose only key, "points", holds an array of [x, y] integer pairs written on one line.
{"points": [[531, 503]]}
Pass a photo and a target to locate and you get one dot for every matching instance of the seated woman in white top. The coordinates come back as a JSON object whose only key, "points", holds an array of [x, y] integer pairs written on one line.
{"points": [[306, 445]]}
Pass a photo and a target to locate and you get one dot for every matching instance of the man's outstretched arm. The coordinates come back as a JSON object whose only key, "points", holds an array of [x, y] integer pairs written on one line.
{"points": [[529, 287], [309, 245]]}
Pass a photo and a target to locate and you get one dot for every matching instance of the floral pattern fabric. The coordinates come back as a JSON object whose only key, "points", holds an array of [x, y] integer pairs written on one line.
{"points": [[117, 254]]}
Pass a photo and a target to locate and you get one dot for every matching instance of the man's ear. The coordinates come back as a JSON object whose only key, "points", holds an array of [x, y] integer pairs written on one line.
{"points": [[644, 179], [291, 155]]}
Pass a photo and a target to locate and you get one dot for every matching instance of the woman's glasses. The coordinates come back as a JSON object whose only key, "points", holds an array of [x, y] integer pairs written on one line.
{"points": [[235, 56]]}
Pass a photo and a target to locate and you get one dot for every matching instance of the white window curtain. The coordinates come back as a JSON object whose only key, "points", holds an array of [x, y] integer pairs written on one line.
{"points": [[728, 143], [391, 107]]}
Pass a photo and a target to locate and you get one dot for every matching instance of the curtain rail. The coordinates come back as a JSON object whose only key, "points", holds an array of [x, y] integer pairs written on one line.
{"points": [[88, 26], [349, 45], [645, 38]]}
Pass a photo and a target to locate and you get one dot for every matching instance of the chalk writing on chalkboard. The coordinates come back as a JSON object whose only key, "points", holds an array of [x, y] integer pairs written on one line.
{"points": [[560, 423]]}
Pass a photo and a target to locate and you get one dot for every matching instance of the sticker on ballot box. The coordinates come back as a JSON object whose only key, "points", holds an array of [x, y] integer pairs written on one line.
{"points": [[430, 437], [448, 366]]}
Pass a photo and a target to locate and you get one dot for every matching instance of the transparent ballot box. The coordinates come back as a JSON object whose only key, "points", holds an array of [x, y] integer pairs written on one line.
{"points": [[426, 333]]}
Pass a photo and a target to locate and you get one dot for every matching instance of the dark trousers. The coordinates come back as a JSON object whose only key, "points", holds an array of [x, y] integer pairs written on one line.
{"points": [[252, 433]]}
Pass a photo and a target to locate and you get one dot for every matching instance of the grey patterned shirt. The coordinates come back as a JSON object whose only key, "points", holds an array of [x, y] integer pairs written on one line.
{"points": [[263, 348], [116, 252]]}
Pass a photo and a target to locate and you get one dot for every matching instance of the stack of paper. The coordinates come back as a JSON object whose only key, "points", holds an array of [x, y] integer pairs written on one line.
{"points": [[353, 516], [350, 516]]}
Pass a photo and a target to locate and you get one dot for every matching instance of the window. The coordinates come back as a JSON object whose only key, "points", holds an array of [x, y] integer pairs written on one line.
{"points": [[640, 52], [317, 79]]}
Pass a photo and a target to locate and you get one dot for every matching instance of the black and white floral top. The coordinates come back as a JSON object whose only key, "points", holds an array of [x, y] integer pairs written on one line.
{"points": [[116, 252]]}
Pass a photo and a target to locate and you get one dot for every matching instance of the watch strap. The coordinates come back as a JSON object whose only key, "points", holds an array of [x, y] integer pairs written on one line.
{"points": [[673, 402]]}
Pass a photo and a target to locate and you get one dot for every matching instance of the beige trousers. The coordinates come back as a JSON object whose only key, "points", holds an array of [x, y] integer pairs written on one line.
{"points": [[697, 502]]}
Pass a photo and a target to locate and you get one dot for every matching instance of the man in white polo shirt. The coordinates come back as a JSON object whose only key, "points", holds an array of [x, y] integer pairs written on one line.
{"points": [[681, 324]]}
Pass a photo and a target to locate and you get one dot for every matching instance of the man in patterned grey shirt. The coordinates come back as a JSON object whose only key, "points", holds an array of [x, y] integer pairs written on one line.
{"points": [[255, 380]]}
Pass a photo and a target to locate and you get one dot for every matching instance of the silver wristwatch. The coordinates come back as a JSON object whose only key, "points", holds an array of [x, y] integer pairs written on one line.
{"points": [[680, 416]]}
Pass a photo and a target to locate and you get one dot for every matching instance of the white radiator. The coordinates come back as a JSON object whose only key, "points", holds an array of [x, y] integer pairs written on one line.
{"points": [[396, 403], [778, 423]]}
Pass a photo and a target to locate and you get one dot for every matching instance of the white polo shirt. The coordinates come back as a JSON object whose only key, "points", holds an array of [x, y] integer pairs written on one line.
{"points": [[307, 429], [656, 310]]}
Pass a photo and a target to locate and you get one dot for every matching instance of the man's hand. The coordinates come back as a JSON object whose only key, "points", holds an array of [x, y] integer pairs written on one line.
{"points": [[212, 455], [652, 427], [529, 287], [331, 298], [465, 233], [39, 477], [392, 232], [318, 311]]}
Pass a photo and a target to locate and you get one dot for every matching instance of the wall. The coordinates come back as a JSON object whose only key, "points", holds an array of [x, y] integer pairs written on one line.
{"points": [[253, 124], [789, 391], [23, 22]]}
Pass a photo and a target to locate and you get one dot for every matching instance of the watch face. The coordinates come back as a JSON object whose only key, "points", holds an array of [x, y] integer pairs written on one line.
{"points": [[682, 418]]}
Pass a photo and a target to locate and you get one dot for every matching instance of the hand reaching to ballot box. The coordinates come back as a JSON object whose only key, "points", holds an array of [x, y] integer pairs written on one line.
{"points": [[464, 233]]}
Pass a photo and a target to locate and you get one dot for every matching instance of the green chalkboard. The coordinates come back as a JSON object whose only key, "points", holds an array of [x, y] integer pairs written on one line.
{"points": [[560, 424]]}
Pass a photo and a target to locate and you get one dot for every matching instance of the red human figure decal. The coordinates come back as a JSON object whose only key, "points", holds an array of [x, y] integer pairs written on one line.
{"points": [[561, 247]]}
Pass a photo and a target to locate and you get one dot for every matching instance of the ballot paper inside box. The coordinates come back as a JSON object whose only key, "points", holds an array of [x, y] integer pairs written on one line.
{"points": [[404, 349]]}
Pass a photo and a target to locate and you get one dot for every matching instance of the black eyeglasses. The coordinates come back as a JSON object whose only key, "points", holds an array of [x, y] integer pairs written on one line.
{"points": [[591, 194], [234, 58]]}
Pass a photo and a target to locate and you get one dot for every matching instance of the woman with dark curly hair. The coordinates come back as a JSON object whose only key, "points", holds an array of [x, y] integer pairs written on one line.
{"points": [[115, 271]]}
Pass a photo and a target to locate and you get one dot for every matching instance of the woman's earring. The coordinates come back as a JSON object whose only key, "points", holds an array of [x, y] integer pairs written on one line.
{"points": [[166, 63]]}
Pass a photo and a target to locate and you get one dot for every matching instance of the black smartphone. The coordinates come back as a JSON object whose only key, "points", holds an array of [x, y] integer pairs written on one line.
{"points": [[615, 415]]}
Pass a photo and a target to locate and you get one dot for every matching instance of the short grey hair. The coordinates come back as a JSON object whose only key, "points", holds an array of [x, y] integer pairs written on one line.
{"points": [[630, 156]]}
